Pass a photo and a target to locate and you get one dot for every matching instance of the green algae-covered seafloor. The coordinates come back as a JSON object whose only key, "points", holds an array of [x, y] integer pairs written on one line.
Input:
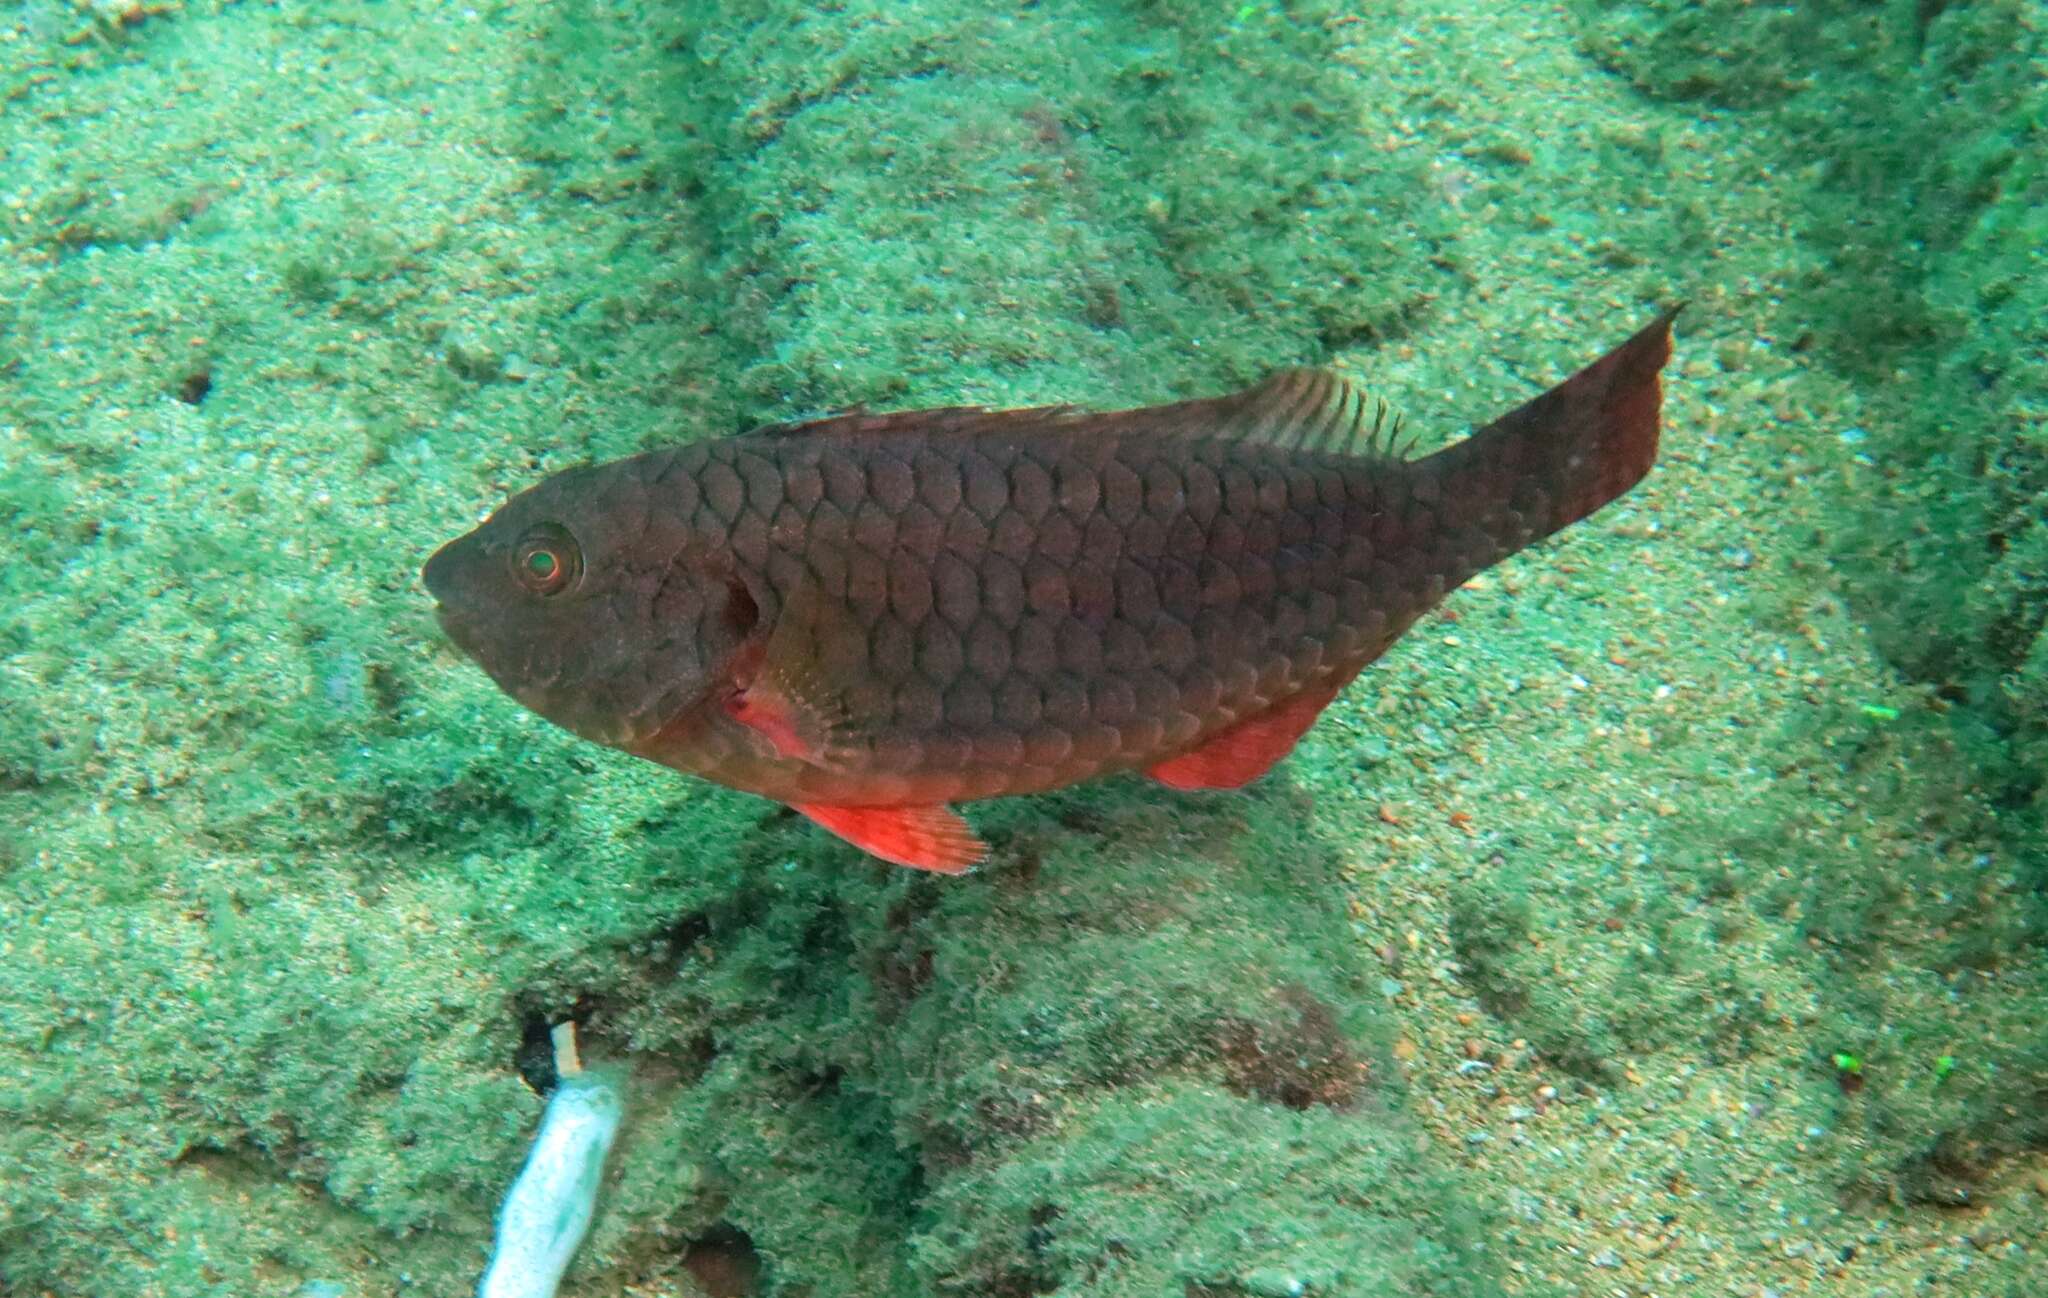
{"points": [[1665, 915]]}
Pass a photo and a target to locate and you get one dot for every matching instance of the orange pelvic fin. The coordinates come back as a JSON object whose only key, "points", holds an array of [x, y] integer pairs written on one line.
{"points": [[1235, 757], [931, 837]]}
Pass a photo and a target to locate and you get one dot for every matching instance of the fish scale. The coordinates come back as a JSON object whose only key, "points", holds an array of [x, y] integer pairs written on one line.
{"points": [[870, 616], [1110, 647]]}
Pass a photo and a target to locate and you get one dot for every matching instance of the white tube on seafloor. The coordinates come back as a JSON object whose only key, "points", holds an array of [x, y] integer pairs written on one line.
{"points": [[549, 1207]]}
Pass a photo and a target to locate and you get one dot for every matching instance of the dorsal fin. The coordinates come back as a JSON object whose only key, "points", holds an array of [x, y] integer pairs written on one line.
{"points": [[1310, 409], [964, 420], [1298, 409]]}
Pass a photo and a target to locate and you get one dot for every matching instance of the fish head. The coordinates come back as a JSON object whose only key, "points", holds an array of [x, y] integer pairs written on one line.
{"points": [[608, 618]]}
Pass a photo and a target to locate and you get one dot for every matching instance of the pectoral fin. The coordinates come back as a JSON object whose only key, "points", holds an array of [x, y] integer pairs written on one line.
{"points": [[931, 838], [782, 694]]}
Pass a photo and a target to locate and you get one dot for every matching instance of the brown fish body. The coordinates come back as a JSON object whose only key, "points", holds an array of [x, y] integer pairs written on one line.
{"points": [[1009, 610], [869, 617]]}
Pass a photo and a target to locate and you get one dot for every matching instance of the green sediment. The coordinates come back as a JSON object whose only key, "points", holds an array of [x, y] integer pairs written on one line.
{"points": [[1925, 125], [1031, 201], [883, 1083], [284, 884], [1923, 197]]}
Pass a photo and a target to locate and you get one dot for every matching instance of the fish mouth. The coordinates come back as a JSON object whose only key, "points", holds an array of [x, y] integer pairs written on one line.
{"points": [[443, 575], [438, 575], [452, 624]]}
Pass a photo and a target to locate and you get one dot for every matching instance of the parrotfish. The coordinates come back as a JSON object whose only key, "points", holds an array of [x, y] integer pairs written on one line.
{"points": [[870, 617]]}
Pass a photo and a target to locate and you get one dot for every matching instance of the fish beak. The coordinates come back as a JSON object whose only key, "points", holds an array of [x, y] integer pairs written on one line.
{"points": [[439, 574], [444, 578]]}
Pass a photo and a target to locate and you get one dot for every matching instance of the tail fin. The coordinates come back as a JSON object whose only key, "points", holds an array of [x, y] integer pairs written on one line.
{"points": [[1563, 455]]}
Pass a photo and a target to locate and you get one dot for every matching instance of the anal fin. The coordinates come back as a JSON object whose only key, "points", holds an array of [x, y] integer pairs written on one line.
{"points": [[1236, 756], [932, 837]]}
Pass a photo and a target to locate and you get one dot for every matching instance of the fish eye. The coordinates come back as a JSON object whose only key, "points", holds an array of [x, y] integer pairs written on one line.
{"points": [[547, 560]]}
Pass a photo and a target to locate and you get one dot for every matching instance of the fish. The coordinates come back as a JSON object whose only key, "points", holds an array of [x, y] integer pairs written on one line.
{"points": [[871, 617]]}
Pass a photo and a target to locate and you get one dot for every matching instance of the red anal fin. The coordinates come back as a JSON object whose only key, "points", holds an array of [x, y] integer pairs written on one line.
{"points": [[1235, 757], [931, 837]]}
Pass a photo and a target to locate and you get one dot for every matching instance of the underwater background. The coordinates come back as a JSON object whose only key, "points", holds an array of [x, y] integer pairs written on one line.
{"points": [[1663, 916]]}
